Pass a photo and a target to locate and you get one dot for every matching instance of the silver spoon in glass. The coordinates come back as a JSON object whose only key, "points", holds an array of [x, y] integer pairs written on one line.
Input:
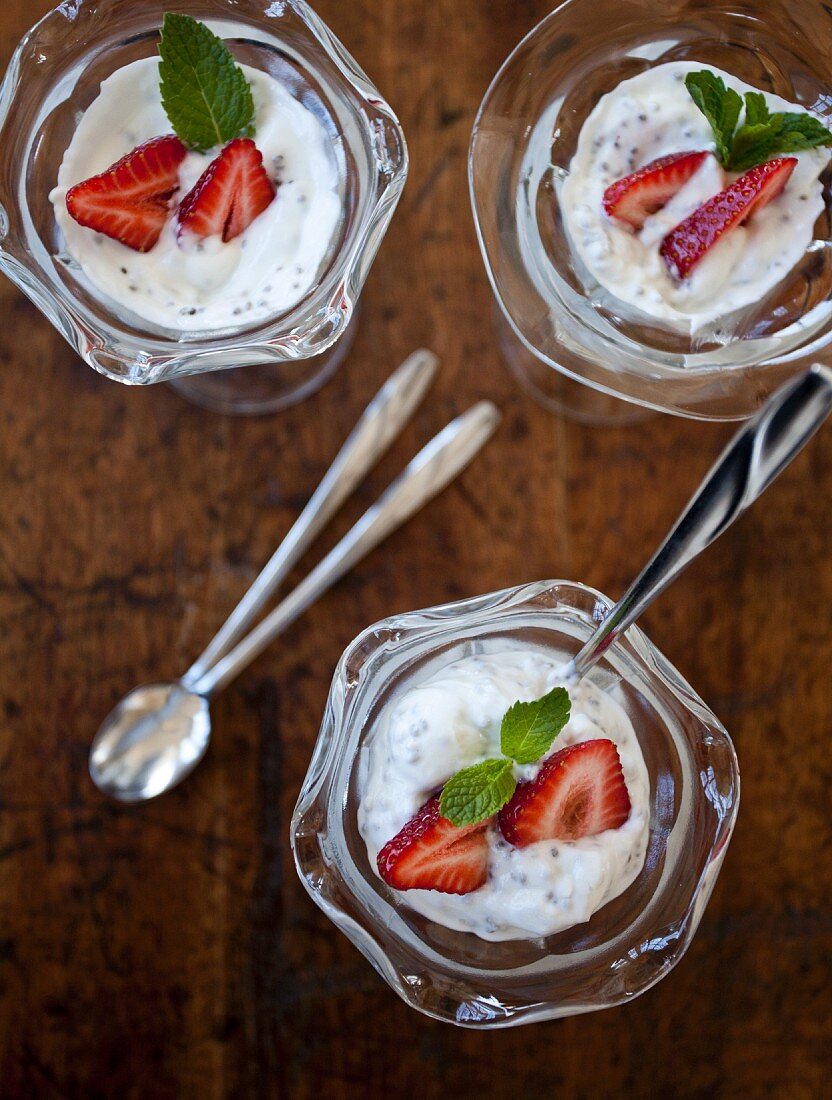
{"points": [[159, 732], [763, 446]]}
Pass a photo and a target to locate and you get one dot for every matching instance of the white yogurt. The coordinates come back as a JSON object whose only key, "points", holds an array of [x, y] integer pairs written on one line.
{"points": [[452, 720], [196, 285], [650, 116]]}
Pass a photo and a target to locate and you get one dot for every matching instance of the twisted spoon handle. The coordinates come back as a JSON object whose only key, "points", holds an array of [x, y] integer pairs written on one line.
{"points": [[763, 447]]}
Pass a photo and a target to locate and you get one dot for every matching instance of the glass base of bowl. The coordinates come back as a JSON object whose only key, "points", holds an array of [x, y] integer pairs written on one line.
{"points": [[265, 387], [559, 393]]}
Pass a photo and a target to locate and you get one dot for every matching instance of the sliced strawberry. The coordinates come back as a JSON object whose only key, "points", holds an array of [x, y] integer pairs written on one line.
{"points": [[634, 198], [684, 246], [229, 194], [580, 791], [130, 200], [431, 853]]}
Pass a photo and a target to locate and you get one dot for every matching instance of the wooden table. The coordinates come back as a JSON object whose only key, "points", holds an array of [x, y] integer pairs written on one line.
{"points": [[169, 950]]}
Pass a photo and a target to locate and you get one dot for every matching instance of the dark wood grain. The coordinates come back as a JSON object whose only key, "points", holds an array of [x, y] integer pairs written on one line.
{"points": [[169, 950]]}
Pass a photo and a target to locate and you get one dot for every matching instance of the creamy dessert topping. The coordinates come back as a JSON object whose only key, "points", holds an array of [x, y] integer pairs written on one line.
{"points": [[185, 234], [571, 833], [710, 229]]}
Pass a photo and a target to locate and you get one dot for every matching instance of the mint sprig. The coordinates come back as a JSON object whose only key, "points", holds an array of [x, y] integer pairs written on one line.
{"points": [[204, 91], [528, 729], [756, 109], [478, 792], [781, 133], [721, 106], [763, 134], [527, 732]]}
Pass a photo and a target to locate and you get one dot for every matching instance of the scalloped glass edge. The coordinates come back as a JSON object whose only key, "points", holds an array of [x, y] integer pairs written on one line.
{"points": [[328, 309], [479, 1011], [773, 354]]}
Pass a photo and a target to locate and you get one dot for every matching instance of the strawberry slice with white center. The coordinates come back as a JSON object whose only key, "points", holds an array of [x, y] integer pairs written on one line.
{"points": [[635, 197], [431, 853], [579, 791], [130, 200], [684, 246], [232, 191]]}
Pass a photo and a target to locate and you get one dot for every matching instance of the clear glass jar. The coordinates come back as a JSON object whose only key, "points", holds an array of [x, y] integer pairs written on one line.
{"points": [[524, 137], [55, 74], [631, 942]]}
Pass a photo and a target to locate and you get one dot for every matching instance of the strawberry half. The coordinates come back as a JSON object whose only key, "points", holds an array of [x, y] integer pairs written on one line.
{"points": [[684, 246], [580, 791], [130, 200], [637, 196], [431, 853], [229, 194]]}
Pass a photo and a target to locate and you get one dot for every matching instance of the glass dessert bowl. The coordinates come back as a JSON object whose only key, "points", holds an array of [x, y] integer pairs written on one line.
{"points": [[631, 941], [560, 325], [56, 74]]}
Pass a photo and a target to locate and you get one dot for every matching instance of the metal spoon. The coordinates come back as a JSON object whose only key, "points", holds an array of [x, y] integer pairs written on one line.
{"points": [[149, 713], [381, 423], [159, 732], [763, 447]]}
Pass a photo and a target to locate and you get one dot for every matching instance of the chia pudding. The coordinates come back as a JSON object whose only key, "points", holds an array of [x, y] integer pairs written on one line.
{"points": [[650, 116], [206, 284], [451, 720]]}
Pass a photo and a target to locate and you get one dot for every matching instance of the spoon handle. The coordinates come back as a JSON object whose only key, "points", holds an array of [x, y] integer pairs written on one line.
{"points": [[434, 467], [381, 422], [752, 460]]}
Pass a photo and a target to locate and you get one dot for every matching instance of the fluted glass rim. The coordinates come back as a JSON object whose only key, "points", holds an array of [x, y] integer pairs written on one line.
{"points": [[311, 827], [308, 329], [735, 363]]}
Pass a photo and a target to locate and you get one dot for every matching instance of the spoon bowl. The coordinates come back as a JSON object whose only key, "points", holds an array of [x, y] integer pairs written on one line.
{"points": [[155, 737], [158, 733]]}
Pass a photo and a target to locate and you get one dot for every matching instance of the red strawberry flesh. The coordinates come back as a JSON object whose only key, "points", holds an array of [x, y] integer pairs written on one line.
{"points": [[431, 853], [579, 791], [635, 197], [130, 200], [686, 244], [232, 191]]}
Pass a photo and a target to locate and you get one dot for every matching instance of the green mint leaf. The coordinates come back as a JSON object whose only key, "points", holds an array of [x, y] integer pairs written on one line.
{"points": [[752, 145], [799, 131], [784, 132], [204, 92], [756, 109], [762, 134], [529, 729], [720, 105], [477, 793]]}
